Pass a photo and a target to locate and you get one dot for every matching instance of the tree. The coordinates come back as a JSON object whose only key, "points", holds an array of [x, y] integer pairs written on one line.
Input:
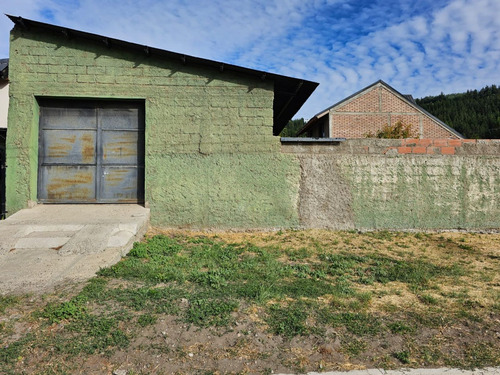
{"points": [[292, 128], [475, 114]]}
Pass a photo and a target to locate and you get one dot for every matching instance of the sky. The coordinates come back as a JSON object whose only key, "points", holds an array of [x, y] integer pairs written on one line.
{"points": [[422, 47]]}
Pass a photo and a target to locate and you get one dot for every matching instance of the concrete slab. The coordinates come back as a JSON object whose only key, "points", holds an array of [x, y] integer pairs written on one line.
{"points": [[51, 245], [40, 242]]}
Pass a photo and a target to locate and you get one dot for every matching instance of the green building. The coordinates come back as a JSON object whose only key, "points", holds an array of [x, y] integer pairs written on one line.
{"points": [[98, 120]]}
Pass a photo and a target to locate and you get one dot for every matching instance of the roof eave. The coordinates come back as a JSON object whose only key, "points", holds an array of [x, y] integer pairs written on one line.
{"points": [[284, 106]]}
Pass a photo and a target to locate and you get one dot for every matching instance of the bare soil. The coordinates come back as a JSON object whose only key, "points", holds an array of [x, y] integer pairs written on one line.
{"points": [[448, 332]]}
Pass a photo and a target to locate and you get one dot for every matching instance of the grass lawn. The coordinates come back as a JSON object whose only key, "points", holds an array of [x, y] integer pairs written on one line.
{"points": [[286, 301]]}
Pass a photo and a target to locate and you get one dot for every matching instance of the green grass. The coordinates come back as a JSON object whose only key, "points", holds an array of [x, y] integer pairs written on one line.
{"points": [[205, 312], [6, 302], [353, 347], [300, 291], [403, 356], [288, 320]]}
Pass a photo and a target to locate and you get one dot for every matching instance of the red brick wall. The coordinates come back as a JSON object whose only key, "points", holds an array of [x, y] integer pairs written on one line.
{"points": [[433, 146], [347, 125], [368, 102], [371, 110], [433, 131], [391, 103]]}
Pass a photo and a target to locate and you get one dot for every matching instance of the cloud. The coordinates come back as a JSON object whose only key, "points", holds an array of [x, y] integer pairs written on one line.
{"points": [[421, 48], [450, 49]]}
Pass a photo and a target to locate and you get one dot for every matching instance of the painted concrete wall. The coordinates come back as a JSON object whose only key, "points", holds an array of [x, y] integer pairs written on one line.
{"points": [[211, 159], [4, 103], [359, 185]]}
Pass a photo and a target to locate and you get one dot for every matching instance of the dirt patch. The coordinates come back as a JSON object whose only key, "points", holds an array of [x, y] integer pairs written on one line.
{"points": [[340, 301]]}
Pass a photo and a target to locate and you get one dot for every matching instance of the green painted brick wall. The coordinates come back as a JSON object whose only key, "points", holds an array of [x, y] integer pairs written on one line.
{"points": [[211, 159]]}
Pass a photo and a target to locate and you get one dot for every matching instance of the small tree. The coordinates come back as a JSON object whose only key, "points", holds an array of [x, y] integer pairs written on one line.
{"points": [[397, 131]]}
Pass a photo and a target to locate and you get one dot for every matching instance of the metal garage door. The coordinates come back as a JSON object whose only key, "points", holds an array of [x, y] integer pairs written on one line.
{"points": [[91, 152]]}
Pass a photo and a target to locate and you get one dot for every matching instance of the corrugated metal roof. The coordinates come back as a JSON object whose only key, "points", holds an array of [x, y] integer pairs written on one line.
{"points": [[289, 93]]}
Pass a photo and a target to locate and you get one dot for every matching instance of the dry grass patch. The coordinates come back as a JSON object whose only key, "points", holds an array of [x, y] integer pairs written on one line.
{"points": [[256, 302]]}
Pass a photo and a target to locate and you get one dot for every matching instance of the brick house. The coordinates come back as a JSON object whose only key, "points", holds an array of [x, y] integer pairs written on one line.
{"points": [[99, 120], [368, 110]]}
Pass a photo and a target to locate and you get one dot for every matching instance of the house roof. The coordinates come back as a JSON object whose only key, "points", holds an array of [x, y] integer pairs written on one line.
{"points": [[407, 98], [4, 69], [289, 93]]}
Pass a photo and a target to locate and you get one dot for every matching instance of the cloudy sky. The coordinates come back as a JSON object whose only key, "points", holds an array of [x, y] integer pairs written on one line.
{"points": [[422, 47]]}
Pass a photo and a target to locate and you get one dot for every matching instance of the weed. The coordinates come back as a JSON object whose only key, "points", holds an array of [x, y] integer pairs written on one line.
{"points": [[288, 321], [466, 247], [476, 355], [95, 289], [400, 328], [7, 301], [201, 240], [428, 299], [353, 347], [364, 298], [299, 254], [430, 319], [403, 356], [204, 312], [313, 285], [155, 246], [146, 320], [307, 288], [12, 352], [420, 236], [95, 333], [72, 309], [356, 323], [216, 279], [380, 235]]}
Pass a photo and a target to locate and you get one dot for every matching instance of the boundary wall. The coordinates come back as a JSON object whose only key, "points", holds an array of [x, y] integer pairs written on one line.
{"points": [[421, 184]]}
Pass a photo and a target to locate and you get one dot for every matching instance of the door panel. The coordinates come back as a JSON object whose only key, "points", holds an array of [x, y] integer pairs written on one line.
{"points": [[68, 183], [68, 118], [121, 184], [69, 146], [119, 118], [120, 147]]}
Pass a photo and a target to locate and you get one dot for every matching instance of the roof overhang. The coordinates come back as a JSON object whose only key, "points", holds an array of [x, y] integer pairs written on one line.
{"points": [[289, 93]]}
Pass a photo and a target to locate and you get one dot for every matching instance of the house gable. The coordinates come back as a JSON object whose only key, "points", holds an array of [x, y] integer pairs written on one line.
{"points": [[375, 106]]}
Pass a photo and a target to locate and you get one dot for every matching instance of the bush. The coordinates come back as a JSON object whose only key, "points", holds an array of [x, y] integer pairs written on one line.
{"points": [[397, 131]]}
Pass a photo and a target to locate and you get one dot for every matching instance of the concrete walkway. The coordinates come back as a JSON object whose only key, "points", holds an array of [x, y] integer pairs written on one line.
{"points": [[52, 245], [429, 371]]}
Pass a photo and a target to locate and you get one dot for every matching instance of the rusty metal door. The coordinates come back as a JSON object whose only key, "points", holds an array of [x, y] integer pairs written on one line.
{"points": [[91, 152]]}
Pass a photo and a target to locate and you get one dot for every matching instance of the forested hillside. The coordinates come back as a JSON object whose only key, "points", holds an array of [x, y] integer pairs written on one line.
{"points": [[475, 114], [292, 128]]}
